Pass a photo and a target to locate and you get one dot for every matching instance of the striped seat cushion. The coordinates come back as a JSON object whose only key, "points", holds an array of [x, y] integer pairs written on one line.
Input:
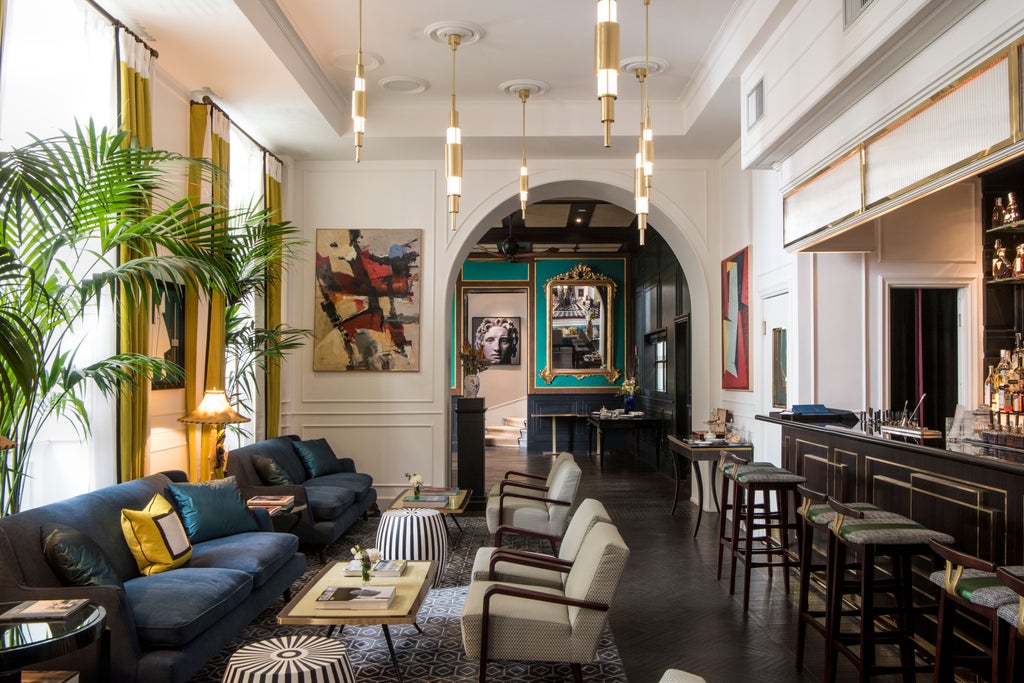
{"points": [[823, 514], [980, 587], [767, 475], [889, 531], [728, 467]]}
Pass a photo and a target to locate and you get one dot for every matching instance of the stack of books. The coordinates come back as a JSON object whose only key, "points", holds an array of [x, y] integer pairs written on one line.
{"points": [[379, 568], [356, 597], [427, 501], [439, 491], [275, 505]]}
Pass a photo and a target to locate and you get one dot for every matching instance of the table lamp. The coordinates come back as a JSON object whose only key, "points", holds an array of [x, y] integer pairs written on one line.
{"points": [[214, 410]]}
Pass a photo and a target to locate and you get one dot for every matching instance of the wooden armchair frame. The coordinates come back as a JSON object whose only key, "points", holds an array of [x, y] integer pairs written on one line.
{"points": [[552, 538]]}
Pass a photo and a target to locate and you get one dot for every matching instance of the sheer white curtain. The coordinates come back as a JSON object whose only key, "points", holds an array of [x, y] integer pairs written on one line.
{"points": [[59, 65], [246, 191]]}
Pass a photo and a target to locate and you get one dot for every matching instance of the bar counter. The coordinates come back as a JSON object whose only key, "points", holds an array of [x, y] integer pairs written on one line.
{"points": [[972, 490]]}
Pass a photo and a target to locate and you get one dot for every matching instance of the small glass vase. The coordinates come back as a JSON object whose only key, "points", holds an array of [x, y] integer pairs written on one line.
{"points": [[416, 492], [628, 401], [471, 386]]}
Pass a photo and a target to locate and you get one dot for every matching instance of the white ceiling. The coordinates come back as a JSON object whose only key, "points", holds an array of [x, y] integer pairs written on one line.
{"points": [[283, 72]]}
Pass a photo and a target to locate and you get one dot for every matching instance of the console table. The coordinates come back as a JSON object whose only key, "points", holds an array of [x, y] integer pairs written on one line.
{"points": [[636, 423], [697, 452]]}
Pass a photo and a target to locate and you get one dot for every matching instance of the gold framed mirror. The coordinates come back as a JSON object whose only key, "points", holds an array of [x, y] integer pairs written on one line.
{"points": [[579, 320]]}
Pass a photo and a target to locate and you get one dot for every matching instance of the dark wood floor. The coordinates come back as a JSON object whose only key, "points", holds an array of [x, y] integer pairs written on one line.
{"points": [[670, 611]]}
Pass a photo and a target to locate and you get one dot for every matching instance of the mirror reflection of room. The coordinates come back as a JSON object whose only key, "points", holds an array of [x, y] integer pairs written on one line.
{"points": [[577, 321]]}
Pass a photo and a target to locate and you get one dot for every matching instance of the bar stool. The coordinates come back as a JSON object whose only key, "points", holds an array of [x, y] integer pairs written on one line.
{"points": [[760, 521], [726, 465], [1013, 614], [899, 539], [816, 515], [970, 583]]}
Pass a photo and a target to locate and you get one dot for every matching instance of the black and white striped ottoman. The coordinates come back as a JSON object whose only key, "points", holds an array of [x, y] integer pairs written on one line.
{"points": [[295, 659], [414, 534]]}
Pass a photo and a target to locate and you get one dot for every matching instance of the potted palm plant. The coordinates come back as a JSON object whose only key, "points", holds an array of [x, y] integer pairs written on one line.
{"points": [[68, 206]]}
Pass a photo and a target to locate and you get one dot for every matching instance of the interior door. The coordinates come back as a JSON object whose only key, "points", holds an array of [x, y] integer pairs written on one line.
{"points": [[684, 393]]}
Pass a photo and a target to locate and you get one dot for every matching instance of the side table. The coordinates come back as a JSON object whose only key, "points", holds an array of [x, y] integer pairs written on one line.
{"points": [[697, 452], [31, 642]]}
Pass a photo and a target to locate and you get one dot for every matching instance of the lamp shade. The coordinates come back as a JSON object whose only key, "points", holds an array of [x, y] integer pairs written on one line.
{"points": [[6, 444], [213, 410]]}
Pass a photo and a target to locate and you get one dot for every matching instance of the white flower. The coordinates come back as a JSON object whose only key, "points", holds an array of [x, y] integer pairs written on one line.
{"points": [[414, 479], [354, 551], [374, 554]]}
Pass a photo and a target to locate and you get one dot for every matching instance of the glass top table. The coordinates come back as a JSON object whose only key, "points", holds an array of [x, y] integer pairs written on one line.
{"points": [[25, 643]]}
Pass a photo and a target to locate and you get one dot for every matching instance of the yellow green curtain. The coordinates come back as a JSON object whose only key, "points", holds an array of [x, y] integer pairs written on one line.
{"points": [[134, 304], [272, 302], [209, 132], [194, 382]]}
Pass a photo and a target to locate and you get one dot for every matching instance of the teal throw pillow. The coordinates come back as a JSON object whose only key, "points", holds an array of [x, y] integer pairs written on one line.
{"points": [[317, 457], [212, 509], [270, 472], [76, 559]]}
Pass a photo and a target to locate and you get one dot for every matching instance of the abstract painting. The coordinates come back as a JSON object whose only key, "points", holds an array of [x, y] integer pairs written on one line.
{"points": [[736, 321], [167, 330], [779, 367], [368, 300]]}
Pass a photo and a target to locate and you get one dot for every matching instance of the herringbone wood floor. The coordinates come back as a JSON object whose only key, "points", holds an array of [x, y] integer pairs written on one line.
{"points": [[670, 611]]}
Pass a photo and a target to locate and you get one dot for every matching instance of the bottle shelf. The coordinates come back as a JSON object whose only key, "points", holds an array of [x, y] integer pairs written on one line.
{"points": [[1015, 227], [1004, 281]]}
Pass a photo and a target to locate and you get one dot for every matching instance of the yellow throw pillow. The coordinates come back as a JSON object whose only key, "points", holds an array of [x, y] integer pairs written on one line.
{"points": [[156, 537]]}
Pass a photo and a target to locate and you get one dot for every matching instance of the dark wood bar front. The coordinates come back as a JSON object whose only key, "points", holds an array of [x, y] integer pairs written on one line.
{"points": [[972, 491]]}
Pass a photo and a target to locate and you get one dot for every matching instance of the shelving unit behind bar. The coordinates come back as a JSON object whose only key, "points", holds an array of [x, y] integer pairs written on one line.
{"points": [[1004, 298]]}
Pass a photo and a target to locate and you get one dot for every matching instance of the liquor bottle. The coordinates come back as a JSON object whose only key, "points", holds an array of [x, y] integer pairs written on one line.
{"points": [[998, 213], [990, 385], [1002, 370], [1012, 212]]}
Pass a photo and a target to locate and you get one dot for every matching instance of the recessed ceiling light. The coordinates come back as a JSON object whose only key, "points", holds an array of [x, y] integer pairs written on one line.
{"points": [[578, 219], [405, 85]]}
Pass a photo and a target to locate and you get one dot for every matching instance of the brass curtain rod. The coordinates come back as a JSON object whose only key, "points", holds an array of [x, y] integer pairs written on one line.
{"points": [[118, 24], [208, 100]]}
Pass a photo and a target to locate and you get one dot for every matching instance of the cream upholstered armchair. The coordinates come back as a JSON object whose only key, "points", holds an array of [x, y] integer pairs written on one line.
{"points": [[520, 566], [540, 509], [534, 623], [529, 482]]}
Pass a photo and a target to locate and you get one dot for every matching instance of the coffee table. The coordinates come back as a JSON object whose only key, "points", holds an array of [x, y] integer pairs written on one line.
{"points": [[456, 506], [412, 590]]}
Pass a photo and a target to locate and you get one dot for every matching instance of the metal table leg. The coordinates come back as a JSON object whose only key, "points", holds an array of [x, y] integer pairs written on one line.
{"points": [[391, 649]]}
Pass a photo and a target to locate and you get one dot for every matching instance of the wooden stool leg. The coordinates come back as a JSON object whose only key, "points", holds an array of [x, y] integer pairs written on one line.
{"points": [[748, 547], [739, 504], [836, 569], [867, 612], [724, 506], [904, 606], [944, 638], [806, 545]]}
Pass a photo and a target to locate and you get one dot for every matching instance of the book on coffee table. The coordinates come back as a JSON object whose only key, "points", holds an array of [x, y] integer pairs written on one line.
{"points": [[356, 597], [42, 610], [439, 491], [379, 568], [426, 501]]}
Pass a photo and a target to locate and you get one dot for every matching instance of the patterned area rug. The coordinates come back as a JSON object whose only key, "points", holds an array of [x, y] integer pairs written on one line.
{"points": [[437, 655]]}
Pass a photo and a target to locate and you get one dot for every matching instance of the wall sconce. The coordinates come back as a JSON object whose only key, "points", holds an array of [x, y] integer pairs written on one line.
{"points": [[214, 410]]}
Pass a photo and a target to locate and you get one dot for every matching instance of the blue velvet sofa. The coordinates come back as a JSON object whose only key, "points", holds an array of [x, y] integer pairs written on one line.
{"points": [[162, 627], [334, 501]]}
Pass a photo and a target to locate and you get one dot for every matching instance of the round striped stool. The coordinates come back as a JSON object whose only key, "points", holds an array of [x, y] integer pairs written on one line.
{"points": [[294, 659], [414, 534]]}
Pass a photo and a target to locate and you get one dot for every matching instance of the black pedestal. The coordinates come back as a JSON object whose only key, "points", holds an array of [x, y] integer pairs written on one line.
{"points": [[469, 421]]}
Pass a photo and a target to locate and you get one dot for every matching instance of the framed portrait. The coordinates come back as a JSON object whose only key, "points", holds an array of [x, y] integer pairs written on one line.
{"points": [[736, 321], [779, 367], [166, 334], [499, 337]]}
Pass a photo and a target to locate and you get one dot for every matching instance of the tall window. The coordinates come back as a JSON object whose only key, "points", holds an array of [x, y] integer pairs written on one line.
{"points": [[660, 347], [58, 66]]}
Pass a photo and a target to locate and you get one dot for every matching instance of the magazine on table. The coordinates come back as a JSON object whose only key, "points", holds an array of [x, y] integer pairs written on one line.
{"points": [[379, 568], [439, 491], [426, 501], [41, 610], [271, 501], [356, 597]]}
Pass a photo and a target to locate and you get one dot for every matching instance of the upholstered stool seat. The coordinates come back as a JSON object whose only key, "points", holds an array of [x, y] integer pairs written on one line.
{"points": [[727, 465], [815, 516], [899, 539], [970, 584], [291, 659], [770, 528], [414, 534]]}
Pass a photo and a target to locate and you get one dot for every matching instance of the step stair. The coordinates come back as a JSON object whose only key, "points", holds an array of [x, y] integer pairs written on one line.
{"points": [[511, 434]]}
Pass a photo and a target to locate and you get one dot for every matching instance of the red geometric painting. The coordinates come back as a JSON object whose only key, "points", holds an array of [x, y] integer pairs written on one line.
{"points": [[736, 321]]}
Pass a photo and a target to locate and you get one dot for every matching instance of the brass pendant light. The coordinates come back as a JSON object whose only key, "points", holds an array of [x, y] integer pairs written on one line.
{"points": [[606, 62], [453, 145], [359, 92]]}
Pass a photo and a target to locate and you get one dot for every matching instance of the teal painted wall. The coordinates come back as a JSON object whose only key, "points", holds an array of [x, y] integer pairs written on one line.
{"points": [[544, 270]]}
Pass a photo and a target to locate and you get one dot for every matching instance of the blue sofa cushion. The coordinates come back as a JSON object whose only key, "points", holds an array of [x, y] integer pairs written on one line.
{"points": [[328, 502], [259, 555], [172, 608], [317, 457], [75, 558], [212, 509], [270, 472], [357, 482]]}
